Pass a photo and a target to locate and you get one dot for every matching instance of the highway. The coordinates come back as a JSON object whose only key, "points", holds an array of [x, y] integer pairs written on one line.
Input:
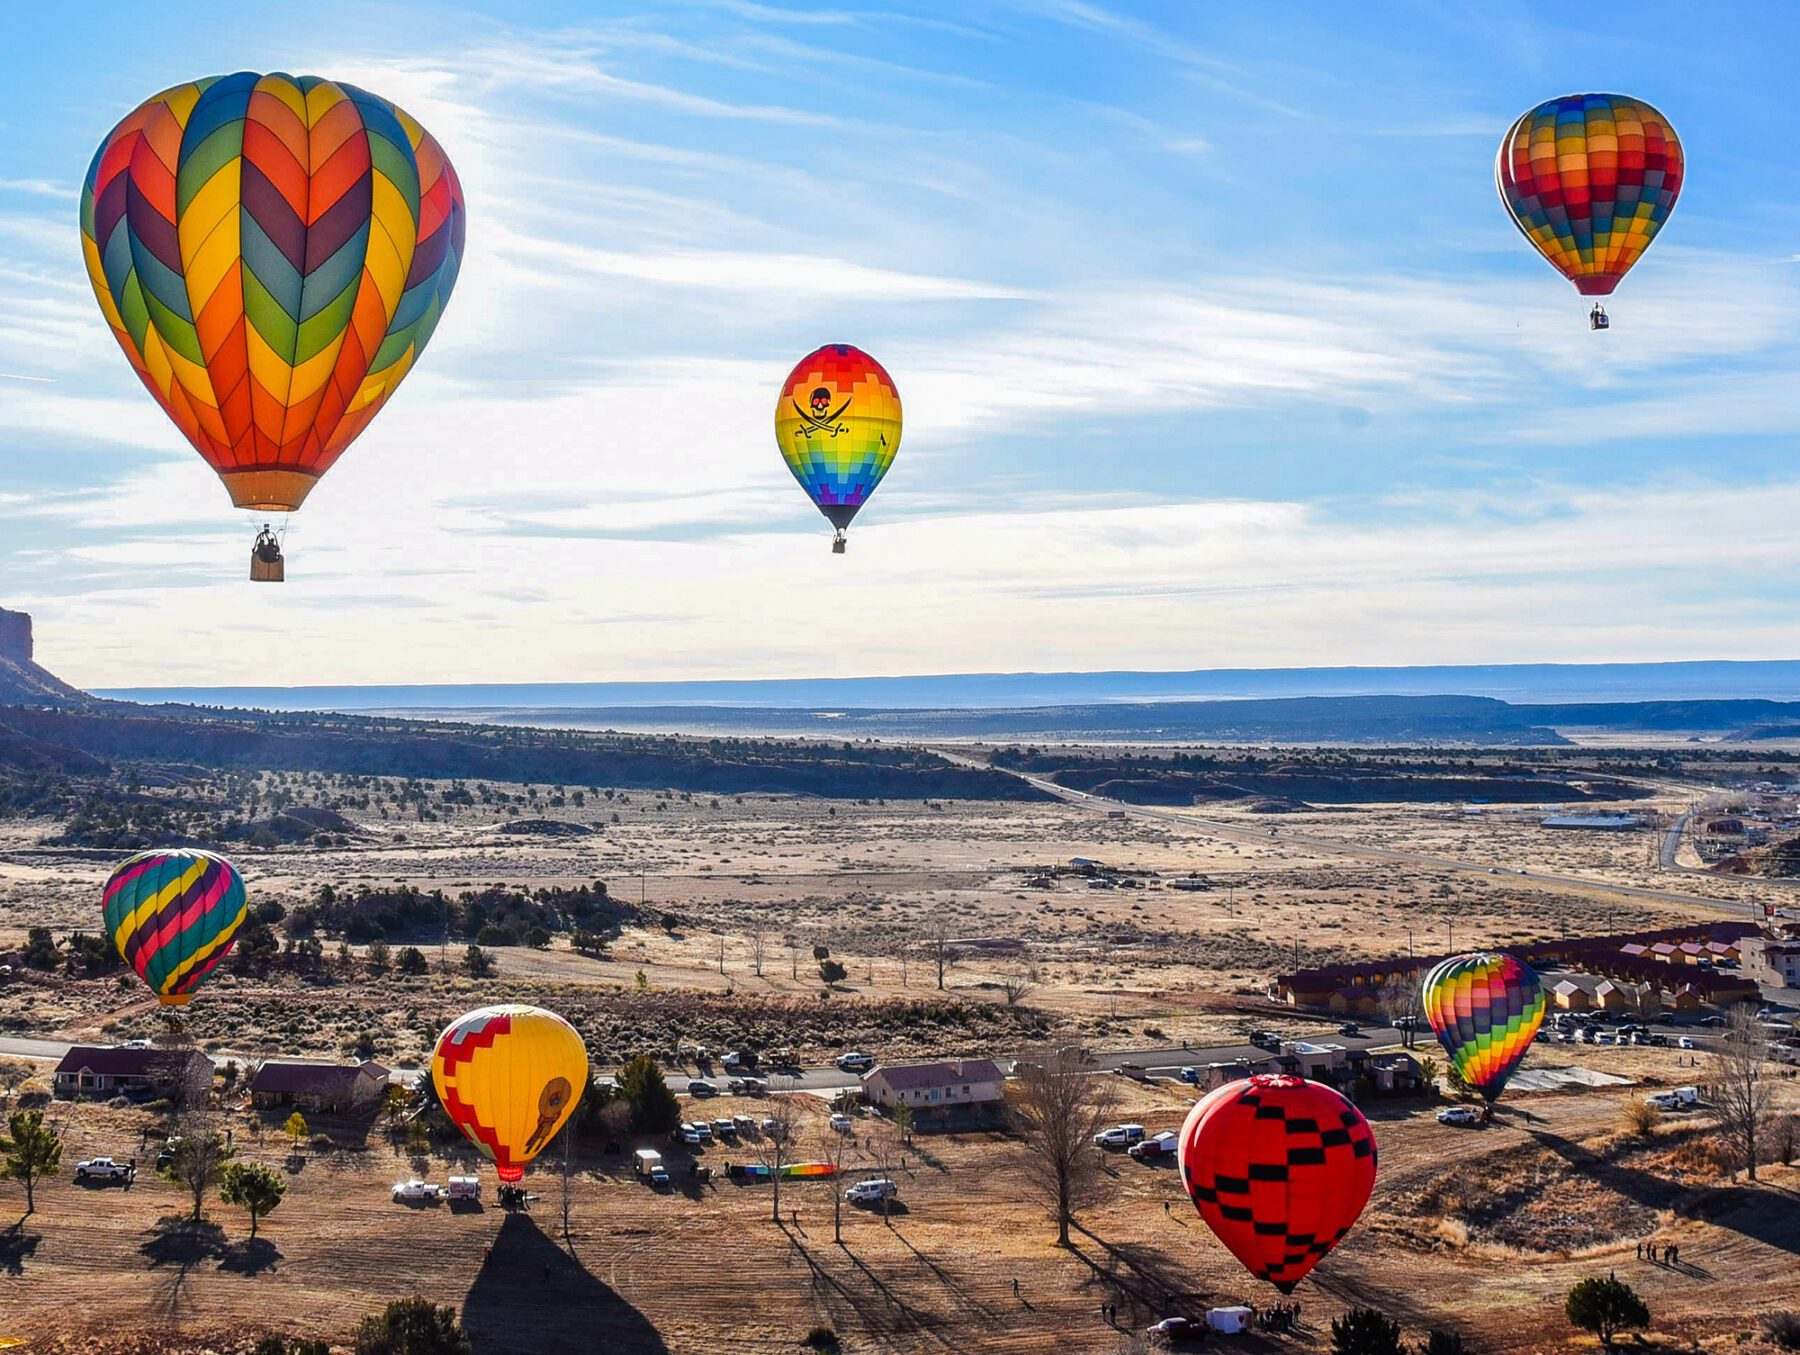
{"points": [[1239, 832]]}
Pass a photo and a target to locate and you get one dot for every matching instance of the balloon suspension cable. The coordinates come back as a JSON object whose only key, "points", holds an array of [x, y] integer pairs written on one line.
{"points": [[837, 541]]}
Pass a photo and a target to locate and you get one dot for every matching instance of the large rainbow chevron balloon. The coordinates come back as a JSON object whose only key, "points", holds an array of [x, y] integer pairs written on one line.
{"points": [[1589, 179], [173, 915], [1486, 1010], [273, 254], [837, 423]]}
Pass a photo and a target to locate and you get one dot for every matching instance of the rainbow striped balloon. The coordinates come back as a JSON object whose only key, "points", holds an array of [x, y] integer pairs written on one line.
{"points": [[272, 253], [838, 426], [1486, 1009], [173, 915], [1589, 179]]}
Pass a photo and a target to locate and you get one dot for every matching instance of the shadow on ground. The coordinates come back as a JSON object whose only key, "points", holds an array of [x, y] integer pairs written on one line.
{"points": [[531, 1297], [16, 1245]]}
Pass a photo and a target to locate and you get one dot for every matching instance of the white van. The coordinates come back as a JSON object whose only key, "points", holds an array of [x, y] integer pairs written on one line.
{"points": [[464, 1188], [872, 1192]]}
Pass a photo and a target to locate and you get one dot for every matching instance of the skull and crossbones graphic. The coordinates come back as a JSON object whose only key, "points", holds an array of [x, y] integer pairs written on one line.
{"points": [[821, 418]]}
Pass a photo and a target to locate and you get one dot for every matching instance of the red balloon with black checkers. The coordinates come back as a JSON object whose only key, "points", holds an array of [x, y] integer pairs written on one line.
{"points": [[1280, 1168]]}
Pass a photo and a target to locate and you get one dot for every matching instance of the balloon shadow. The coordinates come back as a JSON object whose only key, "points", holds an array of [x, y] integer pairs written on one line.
{"points": [[530, 1297]]}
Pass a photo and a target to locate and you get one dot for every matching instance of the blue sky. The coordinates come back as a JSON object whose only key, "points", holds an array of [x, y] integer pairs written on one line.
{"points": [[1216, 346]]}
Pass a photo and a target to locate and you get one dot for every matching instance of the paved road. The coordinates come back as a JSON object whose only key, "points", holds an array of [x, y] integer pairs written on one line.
{"points": [[1237, 831]]}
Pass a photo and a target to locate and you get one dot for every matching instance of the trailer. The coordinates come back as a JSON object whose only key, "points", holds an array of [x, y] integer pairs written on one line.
{"points": [[648, 1164]]}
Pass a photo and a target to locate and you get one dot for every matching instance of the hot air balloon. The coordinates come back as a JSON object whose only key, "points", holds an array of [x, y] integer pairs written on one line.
{"points": [[508, 1077], [273, 254], [1589, 179], [1486, 1010], [1280, 1168], [838, 426], [173, 915]]}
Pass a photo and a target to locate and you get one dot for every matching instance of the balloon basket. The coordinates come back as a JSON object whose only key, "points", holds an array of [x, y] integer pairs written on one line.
{"points": [[267, 563], [837, 544]]}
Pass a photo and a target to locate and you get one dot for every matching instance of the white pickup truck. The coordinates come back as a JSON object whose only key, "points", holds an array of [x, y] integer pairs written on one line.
{"points": [[418, 1190], [104, 1169]]}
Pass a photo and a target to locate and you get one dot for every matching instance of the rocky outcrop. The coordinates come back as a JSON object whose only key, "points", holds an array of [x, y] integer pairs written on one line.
{"points": [[22, 681]]}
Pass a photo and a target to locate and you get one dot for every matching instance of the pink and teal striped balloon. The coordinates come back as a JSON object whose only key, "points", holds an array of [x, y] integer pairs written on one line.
{"points": [[172, 915]]}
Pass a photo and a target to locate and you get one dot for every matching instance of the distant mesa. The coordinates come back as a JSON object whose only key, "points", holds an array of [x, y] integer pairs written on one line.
{"points": [[22, 682]]}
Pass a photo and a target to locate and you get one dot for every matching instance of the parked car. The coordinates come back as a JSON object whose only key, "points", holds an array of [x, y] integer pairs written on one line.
{"points": [[725, 1129], [1714, 1020], [701, 1087], [1265, 1039], [1684, 1042], [1176, 1329], [1349, 1028], [1190, 1074], [1119, 1136], [648, 1164], [843, 1123], [855, 1062], [872, 1192], [137, 1044], [744, 1123], [104, 1169], [1160, 1146], [1459, 1115], [417, 1190]]}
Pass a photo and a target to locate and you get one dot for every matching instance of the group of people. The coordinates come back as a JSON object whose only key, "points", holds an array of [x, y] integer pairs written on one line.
{"points": [[1281, 1317], [1671, 1254]]}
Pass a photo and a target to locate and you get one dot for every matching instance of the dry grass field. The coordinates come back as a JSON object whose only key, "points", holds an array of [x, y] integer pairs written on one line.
{"points": [[1481, 1231]]}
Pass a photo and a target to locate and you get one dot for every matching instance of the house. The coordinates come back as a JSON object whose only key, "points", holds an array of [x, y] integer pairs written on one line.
{"points": [[337, 1088], [1571, 996], [1615, 997], [116, 1070], [1684, 999], [934, 1086], [1396, 1073], [1772, 959]]}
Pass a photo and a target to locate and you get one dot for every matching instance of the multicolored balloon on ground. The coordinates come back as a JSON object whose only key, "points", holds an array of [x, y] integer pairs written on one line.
{"points": [[1589, 179], [1486, 1010], [173, 915], [508, 1077], [1280, 1168], [273, 254], [838, 426]]}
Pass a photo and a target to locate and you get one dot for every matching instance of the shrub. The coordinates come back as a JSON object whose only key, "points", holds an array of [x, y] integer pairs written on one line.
{"points": [[821, 1338], [1365, 1331], [412, 1327], [411, 961], [1605, 1307], [1638, 1116], [1782, 1326], [1442, 1343]]}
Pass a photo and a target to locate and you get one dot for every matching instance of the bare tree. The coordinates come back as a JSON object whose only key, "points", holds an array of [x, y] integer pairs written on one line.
{"points": [[1402, 1006], [756, 948], [1060, 1103], [943, 954], [836, 1145], [568, 1173], [780, 1128], [1018, 984], [1741, 1089], [793, 945]]}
